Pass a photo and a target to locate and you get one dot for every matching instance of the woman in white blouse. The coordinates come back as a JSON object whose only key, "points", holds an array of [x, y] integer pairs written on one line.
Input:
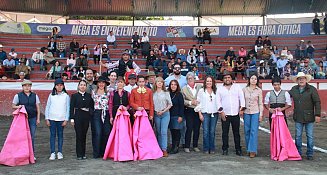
{"points": [[208, 113]]}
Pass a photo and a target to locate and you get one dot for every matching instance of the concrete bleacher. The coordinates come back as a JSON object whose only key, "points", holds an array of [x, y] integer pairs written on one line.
{"points": [[27, 44]]}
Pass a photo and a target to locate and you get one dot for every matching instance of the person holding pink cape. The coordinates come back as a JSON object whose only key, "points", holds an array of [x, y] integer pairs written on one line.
{"points": [[119, 146]]}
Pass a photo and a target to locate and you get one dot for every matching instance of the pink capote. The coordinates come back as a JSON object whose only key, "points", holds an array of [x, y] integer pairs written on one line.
{"points": [[18, 149], [144, 141], [119, 146], [282, 146]]}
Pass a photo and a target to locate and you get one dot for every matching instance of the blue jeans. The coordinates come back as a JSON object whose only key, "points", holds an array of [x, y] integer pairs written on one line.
{"points": [[32, 62], [100, 133], [162, 123], [56, 128], [32, 125], [183, 131], [251, 126], [209, 131], [298, 137]]}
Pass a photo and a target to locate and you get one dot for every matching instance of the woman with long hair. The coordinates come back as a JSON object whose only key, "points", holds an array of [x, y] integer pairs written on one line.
{"points": [[56, 116], [81, 109], [176, 114], [162, 104], [55, 71], [96, 53], [208, 113], [253, 114]]}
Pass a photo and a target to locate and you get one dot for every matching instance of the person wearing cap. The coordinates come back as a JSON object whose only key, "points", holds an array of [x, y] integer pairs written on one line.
{"points": [[231, 99], [124, 64], [37, 58], [131, 83], [307, 110], [100, 123], [21, 68], [261, 70], [151, 77], [31, 102], [111, 39], [56, 117], [3, 54]]}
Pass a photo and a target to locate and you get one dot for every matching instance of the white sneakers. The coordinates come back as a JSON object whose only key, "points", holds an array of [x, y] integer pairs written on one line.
{"points": [[53, 156]]}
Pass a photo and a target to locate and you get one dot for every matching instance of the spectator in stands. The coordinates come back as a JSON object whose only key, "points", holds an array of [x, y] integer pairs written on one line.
{"points": [[55, 71], [202, 50], [202, 61], [54, 33], [176, 76], [242, 53], [316, 25], [123, 64], [68, 72], [71, 60], [258, 44], [136, 40], [172, 50], [146, 47], [321, 72], [211, 70], [310, 50], [10, 66], [206, 35], [48, 58], [85, 51], [199, 36], [283, 53], [286, 74], [184, 68], [81, 70], [218, 63], [228, 64], [164, 48], [325, 23], [303, 49], [96, 53], [111, 39], [21, 76], [22, 68], [265, 52], [61, 46], [275, 50], [150, 59], [37, 58], [74, 46], [281, 63], [191, 59], [81, 61], [64, 76], [252, 68], [156, 48], [144, 39], [240, 67], [262, 71], [3, 54], [195, 71], [158, 65], [267, 42], [13, 54], [105, 52], [181, 54], [230, 52], [52, 46], [289, 56], [307, 69], [194, 50]]}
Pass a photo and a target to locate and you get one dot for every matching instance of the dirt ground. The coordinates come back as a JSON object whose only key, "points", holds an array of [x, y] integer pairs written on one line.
{"points": [[181, 163]]}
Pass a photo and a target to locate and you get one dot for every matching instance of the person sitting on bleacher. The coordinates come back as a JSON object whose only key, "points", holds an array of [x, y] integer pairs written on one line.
{"points": [[267, 42], [61, 46], [158, 65], [194, 50], [150, 59], [202, 50], [136, 40], [206, 35], [111, 39], [105, 52], [258, 44], [74, 46], [22, 68], [3, 54], [13, 53], [55, 71], [163, 48], [9, 65], [48, 58], [81, 61], [230, 52], [181, 54], [191, 59], [52, 46], [144, 39], [85, 51], [172, 50], [265, 52], [146, 47]]}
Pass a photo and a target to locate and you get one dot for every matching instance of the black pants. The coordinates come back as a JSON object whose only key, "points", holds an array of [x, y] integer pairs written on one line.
{"points": [[193, 124], [235, 122], [175, 137], [82, 122], [96, 59], [316, 30], [100, 133]]}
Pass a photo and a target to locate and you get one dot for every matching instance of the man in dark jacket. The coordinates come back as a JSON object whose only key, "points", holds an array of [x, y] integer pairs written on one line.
{"points": [[306, 111], [316, 25]]}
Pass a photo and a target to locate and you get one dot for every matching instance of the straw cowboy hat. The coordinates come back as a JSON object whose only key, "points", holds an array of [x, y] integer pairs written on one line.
{"points": [[301, 74]]}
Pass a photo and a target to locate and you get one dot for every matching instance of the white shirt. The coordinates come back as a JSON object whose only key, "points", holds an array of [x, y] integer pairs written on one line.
{"points": [[111, 38], [57, 107], [193, 91], [145, 39], [230, 99], [207, 104], [287, 96], [36, 56], [14, 55], [189, 59], [129, 88]]}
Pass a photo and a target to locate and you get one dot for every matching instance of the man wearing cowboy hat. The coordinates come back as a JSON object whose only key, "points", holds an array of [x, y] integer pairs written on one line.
{"points": [[306, 111], [151, 77]]}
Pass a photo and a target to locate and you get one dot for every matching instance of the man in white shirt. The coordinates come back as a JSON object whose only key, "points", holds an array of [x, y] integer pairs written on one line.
{"points": [[231, 99], [131, 83], [111, 39], [277, 99], [37, 58]]}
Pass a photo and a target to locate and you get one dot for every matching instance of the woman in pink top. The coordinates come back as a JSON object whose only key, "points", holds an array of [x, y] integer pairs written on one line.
{"points": [[242, 52], [252, 114]]}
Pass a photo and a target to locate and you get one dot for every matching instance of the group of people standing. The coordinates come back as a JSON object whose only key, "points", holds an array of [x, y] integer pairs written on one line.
{"points": [[134, 125]]}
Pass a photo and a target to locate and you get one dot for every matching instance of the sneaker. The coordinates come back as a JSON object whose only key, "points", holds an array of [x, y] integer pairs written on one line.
{"points": [[52, 156], [34, 158], [196, 149], [60, 156], [187, 150]]}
